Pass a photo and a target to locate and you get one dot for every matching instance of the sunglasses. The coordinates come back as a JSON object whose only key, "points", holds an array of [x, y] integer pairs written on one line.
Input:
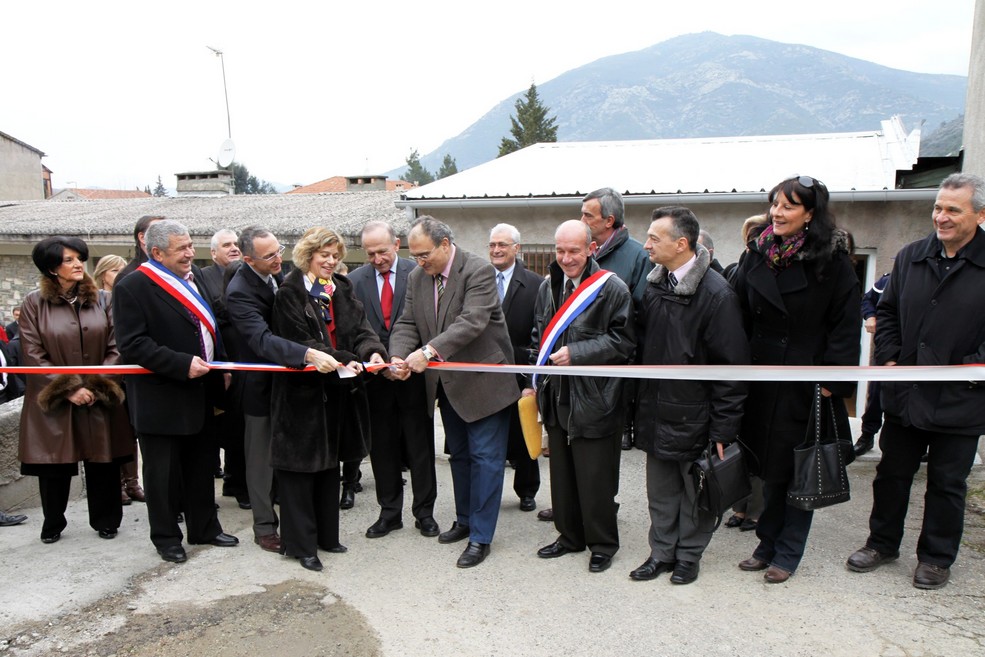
{"points": [[806, 181]]}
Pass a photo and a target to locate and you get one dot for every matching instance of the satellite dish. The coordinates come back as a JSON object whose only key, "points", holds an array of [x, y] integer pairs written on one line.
{"points": [[227, 153]]}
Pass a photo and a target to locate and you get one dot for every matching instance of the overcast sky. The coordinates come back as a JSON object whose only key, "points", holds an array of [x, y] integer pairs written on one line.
{"points": [[117, 93]]}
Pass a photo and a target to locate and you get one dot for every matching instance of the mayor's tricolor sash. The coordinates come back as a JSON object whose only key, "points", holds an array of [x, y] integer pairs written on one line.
{"points": [[182, 292], [581, 298]]}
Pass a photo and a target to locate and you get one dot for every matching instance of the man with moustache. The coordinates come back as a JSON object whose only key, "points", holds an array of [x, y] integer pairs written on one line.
{"points": [[517, 289], [452, 312], [163, 323], [249, 303], [401, 427], [584, 416]]}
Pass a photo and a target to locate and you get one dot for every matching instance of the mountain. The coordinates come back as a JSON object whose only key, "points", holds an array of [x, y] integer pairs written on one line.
{"points": [[710, 85]]}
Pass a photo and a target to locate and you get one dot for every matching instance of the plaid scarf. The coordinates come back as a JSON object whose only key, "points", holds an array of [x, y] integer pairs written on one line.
{"points": [[779, 253]]}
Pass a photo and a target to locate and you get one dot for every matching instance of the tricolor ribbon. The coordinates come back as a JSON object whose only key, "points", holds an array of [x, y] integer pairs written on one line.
{"points": [[183, 293], [581, 298]]}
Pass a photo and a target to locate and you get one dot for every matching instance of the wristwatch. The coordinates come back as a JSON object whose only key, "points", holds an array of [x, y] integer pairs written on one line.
{"points": [[428, 352]]}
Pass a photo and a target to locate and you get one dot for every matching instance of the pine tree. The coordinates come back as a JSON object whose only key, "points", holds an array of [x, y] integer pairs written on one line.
{"points": [[416, 173], [448, 167], [246, 183], [159, 188], [530, 124]]}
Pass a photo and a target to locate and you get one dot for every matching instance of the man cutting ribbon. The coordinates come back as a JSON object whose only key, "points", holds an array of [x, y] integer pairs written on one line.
{"points": [[165, 325], [584, 316]]}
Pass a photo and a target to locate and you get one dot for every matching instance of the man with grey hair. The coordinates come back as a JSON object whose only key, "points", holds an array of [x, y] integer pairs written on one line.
{"points": [[517, 289], [930, 314], [224, 248], [603, 212], [452, 312], [165, 324]]}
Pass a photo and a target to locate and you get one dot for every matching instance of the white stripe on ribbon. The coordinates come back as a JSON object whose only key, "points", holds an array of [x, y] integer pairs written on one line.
{"points": [[580, 299], [182, 292]]}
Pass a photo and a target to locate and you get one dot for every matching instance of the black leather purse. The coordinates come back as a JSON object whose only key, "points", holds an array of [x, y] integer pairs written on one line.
{"points": [[820, 476], [719, 484]]}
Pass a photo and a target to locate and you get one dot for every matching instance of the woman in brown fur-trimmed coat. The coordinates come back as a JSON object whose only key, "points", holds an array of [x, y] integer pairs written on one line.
{"points": [[69, 418], [318, 420]]}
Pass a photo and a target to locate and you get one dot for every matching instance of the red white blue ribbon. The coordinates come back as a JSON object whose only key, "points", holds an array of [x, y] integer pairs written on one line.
{"points": [[183, 293], [581, 298]]}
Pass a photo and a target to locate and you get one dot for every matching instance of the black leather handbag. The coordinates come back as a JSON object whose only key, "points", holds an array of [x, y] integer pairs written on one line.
{"points": [[719, 484], [820, 476]]}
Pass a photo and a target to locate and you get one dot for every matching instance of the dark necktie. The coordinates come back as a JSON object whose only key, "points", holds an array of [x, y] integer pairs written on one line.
{"points": [[272, 284], [439, 282], [569, 288], [671, 281], [386, 300]]}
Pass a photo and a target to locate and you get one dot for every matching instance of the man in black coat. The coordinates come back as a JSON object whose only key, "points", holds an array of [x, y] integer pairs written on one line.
{"points": [[163, 323], [930, 314], [689, 316], [517, 288], [249, 303], [401, 428]]}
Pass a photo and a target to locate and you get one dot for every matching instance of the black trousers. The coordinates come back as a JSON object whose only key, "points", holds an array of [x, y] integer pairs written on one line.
{"points": [[584, 485], [102, 494], [949, 460], [526, 472], [230, 431], [782, 529], [402, 431], [309, 511], [179, 476], [872, 417]]}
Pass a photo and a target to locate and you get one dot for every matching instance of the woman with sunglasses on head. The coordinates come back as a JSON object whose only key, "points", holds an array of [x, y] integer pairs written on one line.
{"points": [[801, 305], [69, 418], [319, 420]]}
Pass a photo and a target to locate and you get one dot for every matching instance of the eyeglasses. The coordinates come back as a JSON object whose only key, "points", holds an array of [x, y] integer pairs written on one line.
{"points": [[278, 254], [500, 245], [423, 257]]}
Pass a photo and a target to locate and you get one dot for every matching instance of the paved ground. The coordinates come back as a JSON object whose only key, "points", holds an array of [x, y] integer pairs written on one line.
{"points": [[402, 595]]}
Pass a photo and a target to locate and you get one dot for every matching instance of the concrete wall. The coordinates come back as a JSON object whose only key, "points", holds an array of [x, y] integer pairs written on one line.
{"points": [[974, 114], [20, 172]]}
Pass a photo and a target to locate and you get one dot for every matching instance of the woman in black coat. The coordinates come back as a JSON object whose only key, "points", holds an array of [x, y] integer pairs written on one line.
{"points": [[801, 306], [319, 420]]}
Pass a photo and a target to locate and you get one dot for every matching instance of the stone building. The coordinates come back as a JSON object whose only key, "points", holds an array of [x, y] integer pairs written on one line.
{"points": [[22, 176]]}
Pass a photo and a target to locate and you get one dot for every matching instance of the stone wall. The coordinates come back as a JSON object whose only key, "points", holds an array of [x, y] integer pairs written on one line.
{"points": [[18, 276]]}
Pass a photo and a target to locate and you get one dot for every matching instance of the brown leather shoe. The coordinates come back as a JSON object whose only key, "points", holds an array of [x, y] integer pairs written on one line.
{"points": [[268, 542], [134, 491], [867, 559], [547, 515], [776, 575], [753, 564], [124, 498], [928, 576]]}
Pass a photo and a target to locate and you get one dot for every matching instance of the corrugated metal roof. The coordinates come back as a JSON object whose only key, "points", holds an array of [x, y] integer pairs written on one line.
{"points": [[843, 161], [285, 215]]}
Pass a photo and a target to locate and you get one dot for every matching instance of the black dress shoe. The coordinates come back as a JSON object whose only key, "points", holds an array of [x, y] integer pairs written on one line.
{"points": [[685, 572], [864, 443], [348, 499], [748, 525], [427, 526], [54, 538], [244, 504], [527, 504], [382, 527], [627, 440], [456, 533], [173, 553], [473, 555], [357, 487], [599, 562], [224, 540], [734, 521], [337, 549], [554, 550], [107, 533], [651, 569], [867, 559], [928, 576], [311, 563], [11, 520]]}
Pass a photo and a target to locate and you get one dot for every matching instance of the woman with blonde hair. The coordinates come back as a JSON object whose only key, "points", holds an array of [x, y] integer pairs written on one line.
{"points": [[107, 269], [319, 420]]}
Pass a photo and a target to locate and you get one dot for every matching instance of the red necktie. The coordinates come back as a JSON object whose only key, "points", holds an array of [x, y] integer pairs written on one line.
{"points": [[386, 300]]}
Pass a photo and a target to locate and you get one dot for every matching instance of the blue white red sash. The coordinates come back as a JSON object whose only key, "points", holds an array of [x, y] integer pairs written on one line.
{"points": [[580, 299], [182, 292]]}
